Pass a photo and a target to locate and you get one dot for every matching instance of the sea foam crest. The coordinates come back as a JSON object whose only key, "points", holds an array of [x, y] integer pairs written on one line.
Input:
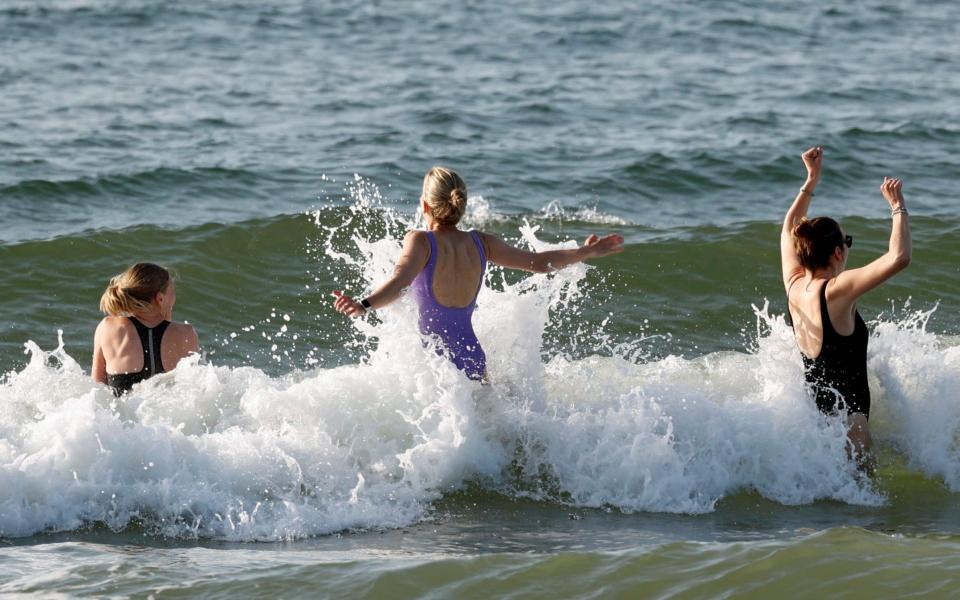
{"points": [[918, 376], [233, 453]]}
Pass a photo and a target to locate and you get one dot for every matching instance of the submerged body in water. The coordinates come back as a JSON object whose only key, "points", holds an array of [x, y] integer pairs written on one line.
{"points": [[130, 344]]}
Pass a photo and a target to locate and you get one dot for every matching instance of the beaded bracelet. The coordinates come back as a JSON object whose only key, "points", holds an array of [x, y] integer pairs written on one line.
{"points": [[899, 211]]}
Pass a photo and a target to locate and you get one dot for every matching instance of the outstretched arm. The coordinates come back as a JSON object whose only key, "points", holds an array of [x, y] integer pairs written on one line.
{"points": [[413, 257], [789, 261], [854, 283], [505, 255]]}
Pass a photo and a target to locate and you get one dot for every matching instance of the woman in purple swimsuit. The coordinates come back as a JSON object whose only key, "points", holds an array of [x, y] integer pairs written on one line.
{"points": [[445, 266]]}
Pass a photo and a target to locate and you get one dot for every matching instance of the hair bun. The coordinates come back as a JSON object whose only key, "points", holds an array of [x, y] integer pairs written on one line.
{"points": [[446, 195], [815, 241], [803, 229]]}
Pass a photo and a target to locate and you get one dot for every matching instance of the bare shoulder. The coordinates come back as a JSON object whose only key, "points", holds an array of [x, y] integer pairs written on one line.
{"points": [[416, 246], [838, 290], [488, 239], [112, 323], [416, 237], [184, 338], [791, 281], [182, 331]]}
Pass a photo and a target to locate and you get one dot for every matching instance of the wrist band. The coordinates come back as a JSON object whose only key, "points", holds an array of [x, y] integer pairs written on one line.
{"points": [[366, 304], [806, 191], [899, 211]]}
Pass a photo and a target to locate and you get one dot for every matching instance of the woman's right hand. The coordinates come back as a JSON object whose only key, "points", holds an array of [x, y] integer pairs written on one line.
{"points": [[346, 305], [892, 192], [813, 161]]}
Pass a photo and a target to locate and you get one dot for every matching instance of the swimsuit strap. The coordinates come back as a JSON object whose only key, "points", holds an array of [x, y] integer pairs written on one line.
{"points": [[150, 339], [825, 322], [431, 265], [479, 242]]}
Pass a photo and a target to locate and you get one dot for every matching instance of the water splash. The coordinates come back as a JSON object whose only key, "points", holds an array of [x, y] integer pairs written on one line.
{"points": [[233, 453]]}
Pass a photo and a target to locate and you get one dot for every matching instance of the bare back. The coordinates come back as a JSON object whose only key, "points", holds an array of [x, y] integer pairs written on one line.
{"points": [[118, 346], [458, 271], [804, 301]]}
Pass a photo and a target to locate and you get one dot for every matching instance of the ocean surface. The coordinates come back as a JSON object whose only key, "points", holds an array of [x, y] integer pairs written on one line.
{"points": [[646, 433]]}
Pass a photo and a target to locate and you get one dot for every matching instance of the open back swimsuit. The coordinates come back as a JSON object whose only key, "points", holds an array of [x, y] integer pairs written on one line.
{"points": [[150, 338], [451, 324], [838, 374]]}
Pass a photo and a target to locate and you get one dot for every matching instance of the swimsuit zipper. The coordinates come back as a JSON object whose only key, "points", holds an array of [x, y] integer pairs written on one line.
{"points": [[153, 360]]}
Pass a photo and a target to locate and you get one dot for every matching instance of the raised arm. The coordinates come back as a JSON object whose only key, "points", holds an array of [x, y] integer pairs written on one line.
{"points": [[413, 257], [854, 283], [505, 255], [789, 261]]}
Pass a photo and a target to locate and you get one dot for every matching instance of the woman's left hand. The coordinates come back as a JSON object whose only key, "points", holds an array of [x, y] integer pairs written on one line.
{"points": [[605, 246], [813, 161], [346, 305]]}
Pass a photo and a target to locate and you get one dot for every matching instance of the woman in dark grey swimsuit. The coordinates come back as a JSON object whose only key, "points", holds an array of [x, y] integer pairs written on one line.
{"points": [[822, 299], [137, 338]]}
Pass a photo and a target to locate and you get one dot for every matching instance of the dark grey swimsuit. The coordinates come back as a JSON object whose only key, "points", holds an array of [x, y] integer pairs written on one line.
{"points": [[150, 338]]}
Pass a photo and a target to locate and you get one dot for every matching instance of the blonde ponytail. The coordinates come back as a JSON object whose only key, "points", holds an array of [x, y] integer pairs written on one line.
{"points": [[134, 290]]}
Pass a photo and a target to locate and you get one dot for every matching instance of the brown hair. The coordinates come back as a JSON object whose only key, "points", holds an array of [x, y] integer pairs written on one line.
{"points": [[815, 240], [134, 290], [446, 194]]}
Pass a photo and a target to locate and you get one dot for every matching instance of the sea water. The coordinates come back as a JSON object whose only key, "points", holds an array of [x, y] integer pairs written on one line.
{"points": [[645, 430]]}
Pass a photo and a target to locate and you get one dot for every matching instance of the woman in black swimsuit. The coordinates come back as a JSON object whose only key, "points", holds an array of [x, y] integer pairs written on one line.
{"points": [[822, 299], [137, 339]]}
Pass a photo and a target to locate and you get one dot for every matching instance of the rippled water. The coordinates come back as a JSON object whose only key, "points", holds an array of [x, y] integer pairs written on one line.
{"points": [[644, 431]]}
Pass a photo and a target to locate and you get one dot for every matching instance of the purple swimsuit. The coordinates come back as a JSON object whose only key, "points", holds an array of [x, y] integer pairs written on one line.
{"points": [[451, 324]]}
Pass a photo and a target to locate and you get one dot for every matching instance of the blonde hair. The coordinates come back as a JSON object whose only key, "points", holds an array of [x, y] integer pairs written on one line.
{"points": [[133, 290], [446, 194]]}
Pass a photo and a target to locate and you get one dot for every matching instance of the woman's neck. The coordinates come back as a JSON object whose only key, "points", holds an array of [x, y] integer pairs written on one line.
{"points": [[431, 226], [826, 273], [150, 319]]}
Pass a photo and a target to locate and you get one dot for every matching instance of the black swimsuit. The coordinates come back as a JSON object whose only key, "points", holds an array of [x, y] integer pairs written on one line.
{"points": [[838, 374], [150, 338]]}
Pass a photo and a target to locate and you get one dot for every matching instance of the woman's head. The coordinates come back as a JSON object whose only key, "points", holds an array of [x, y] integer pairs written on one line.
{"points": [[444, 196], [143, 288], [817, 241]]}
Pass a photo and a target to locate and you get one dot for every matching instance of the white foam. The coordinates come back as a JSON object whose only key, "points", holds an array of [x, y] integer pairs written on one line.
{"points": [[233, 453], [918, 377]]}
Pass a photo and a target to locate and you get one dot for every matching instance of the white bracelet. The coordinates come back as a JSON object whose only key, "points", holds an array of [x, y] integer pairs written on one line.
{"points": [[899, 211]]}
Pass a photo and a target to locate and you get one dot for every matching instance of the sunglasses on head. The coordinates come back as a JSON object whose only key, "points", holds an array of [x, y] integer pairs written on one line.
{"points": [[847, 241]]}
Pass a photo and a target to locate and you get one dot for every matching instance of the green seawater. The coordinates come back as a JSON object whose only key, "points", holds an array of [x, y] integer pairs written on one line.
{"points": [[689, 289], [646, 437]]}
